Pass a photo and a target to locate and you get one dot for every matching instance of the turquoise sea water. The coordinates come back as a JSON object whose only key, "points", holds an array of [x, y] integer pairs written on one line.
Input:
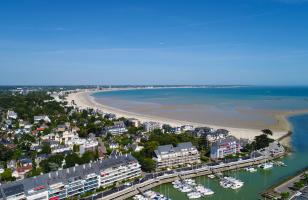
{"points": [[255, 98]]}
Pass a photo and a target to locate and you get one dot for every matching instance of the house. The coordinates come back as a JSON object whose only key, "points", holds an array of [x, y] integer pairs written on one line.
{"points": [[41, 118], [88, 145], [12, 164], [167, 156], [137, 148], [110, 116], [39, 158], [61, 149], [61, 128], [25, 162], [175, 130], [133, 122], [21, 172], [151, 126], [11, 114], [217, 135], [224, 147], [113, 145], [187, 128], [202, 131]]}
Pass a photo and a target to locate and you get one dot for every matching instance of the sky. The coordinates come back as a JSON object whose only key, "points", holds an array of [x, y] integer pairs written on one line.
{"points": [[76, 42]]}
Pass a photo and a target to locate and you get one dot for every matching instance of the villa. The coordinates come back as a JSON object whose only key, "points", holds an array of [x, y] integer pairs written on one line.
{"points": [[224, 147]]}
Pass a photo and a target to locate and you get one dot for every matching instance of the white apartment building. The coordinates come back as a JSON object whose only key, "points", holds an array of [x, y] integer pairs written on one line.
{"points": [[73, 181], [151, 126], [183, 154]]}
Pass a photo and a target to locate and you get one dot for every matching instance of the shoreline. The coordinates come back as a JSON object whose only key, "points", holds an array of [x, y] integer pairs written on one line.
{"points": [[83, 99]]}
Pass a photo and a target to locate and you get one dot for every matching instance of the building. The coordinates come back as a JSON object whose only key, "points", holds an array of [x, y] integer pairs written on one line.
{"points": [[133, 122], [151, 126], [61, 149], [73, 181], [11, 115], [183, 154], [88, 145], [187, 128], [40, 118], [217, 135], [223, 147], [117, 129]]}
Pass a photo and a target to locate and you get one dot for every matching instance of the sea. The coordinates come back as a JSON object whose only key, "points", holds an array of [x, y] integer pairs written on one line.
{"points": [[227, 98]]}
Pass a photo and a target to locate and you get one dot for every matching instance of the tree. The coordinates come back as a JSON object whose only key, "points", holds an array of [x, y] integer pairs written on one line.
{"points": [[147, 164], [5, 153], [167, 128], [46, 149], [76, 148], [34, 172], [299, 184], [7, 175], [267, 132], [285, 195], [261, 141], [87, 157], [71, 160], [52, 163]]}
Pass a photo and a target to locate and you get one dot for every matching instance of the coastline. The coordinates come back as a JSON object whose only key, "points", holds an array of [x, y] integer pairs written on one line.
{"points": [[83, 99]]}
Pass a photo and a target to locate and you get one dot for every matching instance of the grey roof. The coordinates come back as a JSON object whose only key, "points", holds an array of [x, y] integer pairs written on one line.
{"points": [[185, 145], [165, 148], [13, 189], [225, 140], [64, 175], [169, 148]]}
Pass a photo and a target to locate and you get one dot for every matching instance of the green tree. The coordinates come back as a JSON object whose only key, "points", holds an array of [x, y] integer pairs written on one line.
{"points": [[34, 172], [71, 160], [87, 157], [46, 149], [267, 131], [285, 195], [7, 175], [76, 148]]}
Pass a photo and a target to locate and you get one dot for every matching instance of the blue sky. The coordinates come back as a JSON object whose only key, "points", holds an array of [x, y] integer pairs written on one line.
{"points": [[262, 42]]}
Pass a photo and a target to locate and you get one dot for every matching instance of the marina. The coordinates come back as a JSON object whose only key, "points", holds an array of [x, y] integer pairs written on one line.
{"points": [[260, 179]]}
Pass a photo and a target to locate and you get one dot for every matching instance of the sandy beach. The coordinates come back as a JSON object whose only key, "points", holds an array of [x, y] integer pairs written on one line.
{"points": [[83, 99]]}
